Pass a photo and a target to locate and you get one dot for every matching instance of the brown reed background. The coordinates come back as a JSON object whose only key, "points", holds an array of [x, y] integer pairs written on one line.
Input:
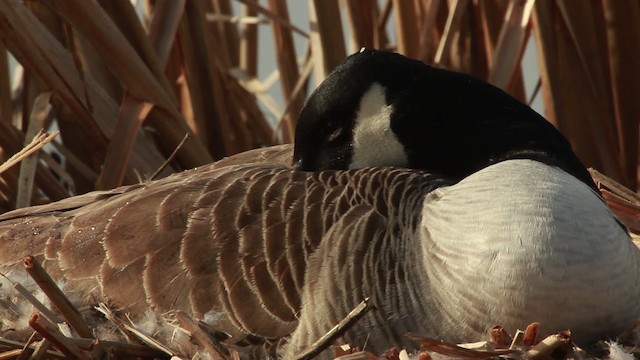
{"points": [[125, 89]]}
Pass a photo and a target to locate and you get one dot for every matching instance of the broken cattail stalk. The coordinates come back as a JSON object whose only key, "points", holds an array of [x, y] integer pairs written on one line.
{"points": [[11, 344], [500, 336], [550, 343], [44, 345], [28, 166], [132, 333], [27, 350], [200, 336], [12, 309], [170, 158], [531, 333], [36, 303], [49, 331], [104, 310], [148, 340], [335, 332], [454, 350], [41, 351], [57, 297], [38, 142], [11, 354], [518, 340]]}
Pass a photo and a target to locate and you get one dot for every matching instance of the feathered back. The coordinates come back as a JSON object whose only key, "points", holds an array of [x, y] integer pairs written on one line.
{"points": [[226, 242]]}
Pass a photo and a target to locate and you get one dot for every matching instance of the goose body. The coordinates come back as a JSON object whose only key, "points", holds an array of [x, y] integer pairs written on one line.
{"points": [[487, 218]]}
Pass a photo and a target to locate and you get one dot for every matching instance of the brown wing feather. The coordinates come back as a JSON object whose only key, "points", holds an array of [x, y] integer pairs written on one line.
{"points": [[229, 240]]}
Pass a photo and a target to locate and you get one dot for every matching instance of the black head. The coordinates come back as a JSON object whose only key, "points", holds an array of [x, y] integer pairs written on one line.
{"points": [[383, 109]]}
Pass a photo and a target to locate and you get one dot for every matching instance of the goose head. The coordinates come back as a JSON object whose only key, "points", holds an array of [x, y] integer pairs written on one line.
{"points": [[383, 109]]}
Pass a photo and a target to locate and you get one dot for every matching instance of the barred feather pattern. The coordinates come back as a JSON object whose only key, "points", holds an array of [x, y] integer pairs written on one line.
{"points": [[264, 248]]}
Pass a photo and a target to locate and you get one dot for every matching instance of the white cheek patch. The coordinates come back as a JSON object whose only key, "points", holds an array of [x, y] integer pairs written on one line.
{"points": [[374, 143]]}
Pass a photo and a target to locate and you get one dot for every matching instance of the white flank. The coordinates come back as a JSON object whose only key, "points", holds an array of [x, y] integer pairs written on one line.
{"points": [[521, 241], [374, 143]]}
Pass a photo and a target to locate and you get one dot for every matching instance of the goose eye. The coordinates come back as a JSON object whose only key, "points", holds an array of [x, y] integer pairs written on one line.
{"points": [[333, 131], [334, 134]]}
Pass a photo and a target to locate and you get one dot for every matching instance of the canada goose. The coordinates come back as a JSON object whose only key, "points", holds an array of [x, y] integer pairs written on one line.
{"points": [[448, 203]]}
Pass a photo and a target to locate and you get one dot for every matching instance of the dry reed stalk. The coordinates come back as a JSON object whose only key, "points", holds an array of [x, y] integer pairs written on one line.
{"points": [[622, 41], [558, 58], [132, 333], [169, 159], [273, 16], [81, 94], [326, 39], [427, 48], [288, 67], [230, 130], [225, 135], [492, 15], [407, 32], [54, 166], [49, 331], [381, 24], [200, 73], [453, 350], [624, 202], [450, 30], [11, 354], [518, 340], [124, 15], [227, 34], [132, 115], [36, 303], [29, 164], [41, 350], [133, 111], [40, 140], [171, 126], [202, 338], [155, 53], [116, 51], [361, 20], [119, 324], [325, 340], [148, 340], [511, 43], [6, 107], [27, 351], [164, 26], [56, 296], [302, 81], [41, 346], [74, 163], [249, 44], [544, 348], [257, 126]]}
